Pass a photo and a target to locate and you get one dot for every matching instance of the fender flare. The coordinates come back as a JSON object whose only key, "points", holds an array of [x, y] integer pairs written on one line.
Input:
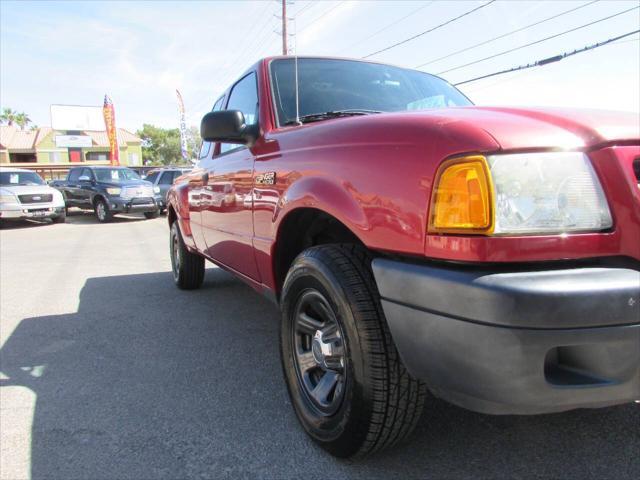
{"points": [[323, 194]]}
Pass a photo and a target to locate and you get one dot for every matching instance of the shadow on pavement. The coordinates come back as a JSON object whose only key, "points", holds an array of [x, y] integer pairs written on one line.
{"points": [[87, 217], [18, 224], [74, 217], [146, 381]]}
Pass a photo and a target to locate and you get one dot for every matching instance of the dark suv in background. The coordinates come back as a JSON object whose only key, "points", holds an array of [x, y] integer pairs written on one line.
{"points": [[162, 179], [108, 191]]}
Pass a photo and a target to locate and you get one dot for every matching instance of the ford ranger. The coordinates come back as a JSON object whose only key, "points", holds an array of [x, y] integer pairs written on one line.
{"points": [[107, 191], [417, 243]]}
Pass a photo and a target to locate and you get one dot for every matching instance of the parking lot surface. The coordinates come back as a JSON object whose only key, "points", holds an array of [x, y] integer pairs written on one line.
{"points": [[108, 371]]}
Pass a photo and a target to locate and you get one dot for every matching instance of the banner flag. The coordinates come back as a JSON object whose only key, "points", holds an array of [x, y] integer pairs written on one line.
{"points": [[183, 127], [109, 114]]}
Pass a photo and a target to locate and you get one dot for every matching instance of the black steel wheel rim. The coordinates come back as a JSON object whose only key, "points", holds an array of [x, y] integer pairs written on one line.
{"points": [[319, 352]]}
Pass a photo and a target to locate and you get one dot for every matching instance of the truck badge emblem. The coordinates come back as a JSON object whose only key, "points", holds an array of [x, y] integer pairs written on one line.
{"points": [[267, 178]]}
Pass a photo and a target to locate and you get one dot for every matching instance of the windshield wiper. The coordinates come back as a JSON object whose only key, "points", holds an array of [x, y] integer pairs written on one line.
{"points": [[316, 117]]}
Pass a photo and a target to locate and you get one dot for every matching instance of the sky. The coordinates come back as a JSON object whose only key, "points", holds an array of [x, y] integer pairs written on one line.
{"points": [[140, 52]]}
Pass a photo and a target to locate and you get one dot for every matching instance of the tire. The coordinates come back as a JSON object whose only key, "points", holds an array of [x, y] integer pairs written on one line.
{"points": [[60, 218], [102, 211], [187, 267], [150, 215], [374, 403]]}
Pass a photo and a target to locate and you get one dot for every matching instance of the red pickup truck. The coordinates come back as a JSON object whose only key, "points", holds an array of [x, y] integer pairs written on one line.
{"points": [[415, 242]]}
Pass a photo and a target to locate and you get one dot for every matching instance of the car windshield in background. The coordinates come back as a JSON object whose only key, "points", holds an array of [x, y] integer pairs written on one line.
{"points": [[327, 85], [115, 174], [8, 179]]}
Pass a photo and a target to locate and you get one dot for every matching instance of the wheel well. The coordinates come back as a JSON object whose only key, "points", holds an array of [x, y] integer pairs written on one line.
{"points": [[96, 198], [171, 215], [301, 229]]}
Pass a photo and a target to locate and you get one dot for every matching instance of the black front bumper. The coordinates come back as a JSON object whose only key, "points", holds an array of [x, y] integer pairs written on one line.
{"points": [[520, 342], [135, 205]]}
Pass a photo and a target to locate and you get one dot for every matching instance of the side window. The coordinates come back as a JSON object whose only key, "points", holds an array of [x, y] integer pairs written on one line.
{"points": [[152, 177], [86, 173], [74, 174], [166, 178], [205, 147], [244, 97]]}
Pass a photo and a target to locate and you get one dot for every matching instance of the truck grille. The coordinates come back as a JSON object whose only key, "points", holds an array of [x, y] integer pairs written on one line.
{"points": [[35, 198], [142, 201], [137, 192]]}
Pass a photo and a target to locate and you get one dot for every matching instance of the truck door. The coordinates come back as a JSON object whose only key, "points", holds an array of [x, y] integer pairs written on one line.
{"points": [[227, 217], [85, 187], [71, 186], [196, 180]]}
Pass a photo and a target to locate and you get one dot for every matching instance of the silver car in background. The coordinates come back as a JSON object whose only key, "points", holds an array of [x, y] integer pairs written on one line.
{"points": [[163, 178], [25, 195]]}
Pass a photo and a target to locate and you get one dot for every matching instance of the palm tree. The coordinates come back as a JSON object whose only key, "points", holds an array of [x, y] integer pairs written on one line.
{"points": [[8, 116], [22, 119]]}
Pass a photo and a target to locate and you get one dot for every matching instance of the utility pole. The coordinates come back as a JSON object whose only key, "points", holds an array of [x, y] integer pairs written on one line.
{"points": [[285, 50]]}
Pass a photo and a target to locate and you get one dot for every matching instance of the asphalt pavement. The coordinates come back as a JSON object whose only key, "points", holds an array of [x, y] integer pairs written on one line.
{"points": [[110, 372]]}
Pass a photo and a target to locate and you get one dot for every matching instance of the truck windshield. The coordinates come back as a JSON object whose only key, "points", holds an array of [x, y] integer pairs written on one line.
{"points": [[20, 178], [115, 174], [328, 85]]}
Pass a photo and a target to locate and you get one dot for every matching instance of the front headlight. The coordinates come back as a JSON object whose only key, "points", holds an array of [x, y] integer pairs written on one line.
{"points": [[113, 190], [8, 198], [156, 189], [518, 194]]}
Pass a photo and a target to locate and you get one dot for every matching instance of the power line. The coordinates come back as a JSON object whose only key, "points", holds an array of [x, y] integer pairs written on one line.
{"points": [[547, 61], [304, 9], [321, 16], [258, 39], [413, 12], [431, 29], [506, 34], [537, 41]]}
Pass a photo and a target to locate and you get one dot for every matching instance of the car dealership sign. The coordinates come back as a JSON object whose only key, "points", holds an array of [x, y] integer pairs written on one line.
{"points": [[73, 141]]}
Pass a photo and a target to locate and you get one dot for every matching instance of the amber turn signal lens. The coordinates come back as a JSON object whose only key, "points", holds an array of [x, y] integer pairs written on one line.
{"points": [[462, 198]]}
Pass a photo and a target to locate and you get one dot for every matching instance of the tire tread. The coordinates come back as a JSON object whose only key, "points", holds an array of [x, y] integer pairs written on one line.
{"points": [[398, 397], [191, 274]]}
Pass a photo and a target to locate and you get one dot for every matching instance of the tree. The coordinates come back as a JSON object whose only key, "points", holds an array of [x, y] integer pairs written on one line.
{"points": [[8, 116], [193, 142], [22, 120], [160, 146]]}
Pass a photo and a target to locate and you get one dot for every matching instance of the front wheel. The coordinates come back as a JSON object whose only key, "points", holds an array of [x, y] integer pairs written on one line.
{"points": [[187, 267], [60, 218], [150, 215], [348, 385], [103, 214]]}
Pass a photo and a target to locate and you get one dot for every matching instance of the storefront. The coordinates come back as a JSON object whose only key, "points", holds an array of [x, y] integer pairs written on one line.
{"points": [[47, 147]]}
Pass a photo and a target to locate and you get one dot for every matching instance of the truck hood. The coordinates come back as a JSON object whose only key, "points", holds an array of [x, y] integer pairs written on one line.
{"points": [[127, 183], [517, 128], [28, 189]]}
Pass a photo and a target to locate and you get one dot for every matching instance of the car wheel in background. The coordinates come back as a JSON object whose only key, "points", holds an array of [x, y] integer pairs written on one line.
{"points": [[103, 214], [60, 218], [347, 383], [151, 215], [187, 267]]}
